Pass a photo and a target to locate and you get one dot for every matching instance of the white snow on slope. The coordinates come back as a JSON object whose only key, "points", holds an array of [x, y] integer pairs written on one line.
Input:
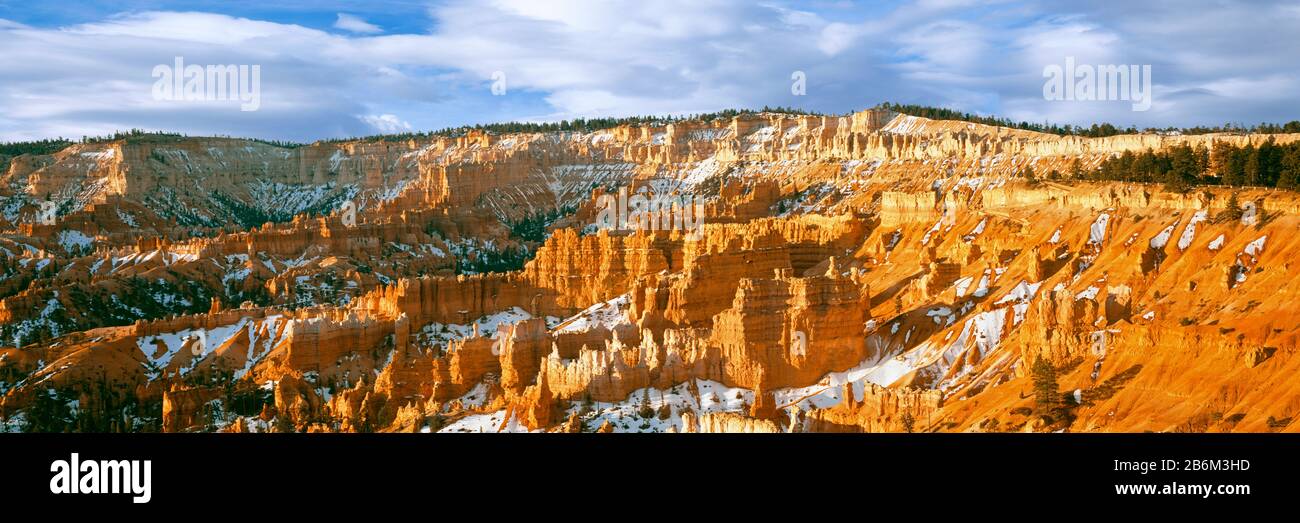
{"points": [[73, 238], [1021, 294], [625, 416], [215, 338], [485, 423], [925, 240], [1097, 233], [1256, 247], [608, 314], [702, 171], [1189, 233], [962, 286], [979, 229], [488, 325], [1162, 239], [904, 124]]}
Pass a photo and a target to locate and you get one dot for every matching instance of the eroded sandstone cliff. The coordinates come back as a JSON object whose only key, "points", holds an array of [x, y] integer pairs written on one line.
{"points": [[872, 272]]}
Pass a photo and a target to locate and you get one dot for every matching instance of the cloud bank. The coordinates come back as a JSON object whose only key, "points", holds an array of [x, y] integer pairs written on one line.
{"points": [[346, 76]]}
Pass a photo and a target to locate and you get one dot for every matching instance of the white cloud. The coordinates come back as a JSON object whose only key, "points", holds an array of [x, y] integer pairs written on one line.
{"points": [[355, 24], [386, 123], [91, 79], [177, 27], [953, 46], [836, 37], [1050, 42], [575, 58]]}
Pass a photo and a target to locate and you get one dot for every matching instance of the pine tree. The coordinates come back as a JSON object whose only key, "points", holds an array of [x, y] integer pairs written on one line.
{"points": [[1184, 170], [1269, 163], [48, 412], [1046, 396], [646, 411], [1028, 174], [1232, 209], [1254, 166], [1234, 168], [1289, 168], [1202, 154], [282, 423]]}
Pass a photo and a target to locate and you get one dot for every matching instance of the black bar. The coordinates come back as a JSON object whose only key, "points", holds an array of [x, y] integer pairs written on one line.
{"points": [[293, 471]]}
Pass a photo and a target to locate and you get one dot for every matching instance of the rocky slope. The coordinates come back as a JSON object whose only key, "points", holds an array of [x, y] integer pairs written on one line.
{"points": [[872, 272]]}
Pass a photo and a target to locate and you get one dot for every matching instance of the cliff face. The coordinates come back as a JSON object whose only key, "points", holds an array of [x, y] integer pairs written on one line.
{"points": [[872, 272]]}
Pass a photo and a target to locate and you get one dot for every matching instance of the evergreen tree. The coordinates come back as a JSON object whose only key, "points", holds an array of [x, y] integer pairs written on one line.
{"points": [[48, 412], [645, 410], [1254, 166], [1028, 174], [284, 424], [1270, 163], [1202, 155], [1046, 396], [1184, 169], [1289, 168], [1234, 173], [1076, 170], [1232, 210]]}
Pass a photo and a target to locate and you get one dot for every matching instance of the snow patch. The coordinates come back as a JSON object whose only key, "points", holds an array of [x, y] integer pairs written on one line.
{"points": [[1189, 232], [1256, 247], [74, 238], [608, 314], [1097, 232], [1162, 239]]}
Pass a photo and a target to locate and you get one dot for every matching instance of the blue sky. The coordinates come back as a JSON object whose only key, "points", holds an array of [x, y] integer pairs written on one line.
{"points": [[332, 69]]}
